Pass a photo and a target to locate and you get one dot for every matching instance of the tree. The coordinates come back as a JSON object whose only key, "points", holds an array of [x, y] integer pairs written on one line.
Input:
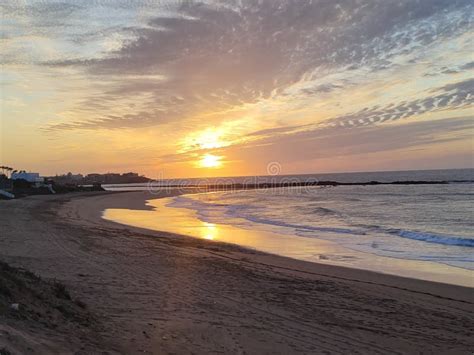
{"points": [[6, 170]]}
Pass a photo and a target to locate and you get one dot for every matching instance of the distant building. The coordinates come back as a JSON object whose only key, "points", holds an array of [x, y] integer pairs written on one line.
{"points": [[130, 175], [73, 177], [33, 178], [30, 177], [94, 178]]}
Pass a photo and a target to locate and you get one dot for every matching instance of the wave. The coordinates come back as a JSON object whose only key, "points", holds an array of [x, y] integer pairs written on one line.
{"points": [[303, 227], [220, 213], [320, 211], [207, 213], [434, 238], [323, 211], [420, 236]]}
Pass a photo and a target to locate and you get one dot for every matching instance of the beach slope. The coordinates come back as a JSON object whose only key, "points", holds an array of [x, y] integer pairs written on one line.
{"points": [[156, 292]]}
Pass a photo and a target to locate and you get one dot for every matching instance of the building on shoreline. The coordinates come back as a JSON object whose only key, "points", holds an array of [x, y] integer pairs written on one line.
{"points": [[95, 178], [33, 178]]}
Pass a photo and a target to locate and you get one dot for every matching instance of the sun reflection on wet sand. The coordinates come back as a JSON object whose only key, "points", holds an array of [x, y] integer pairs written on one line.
{"points": [[184, 221], [211, 231]]}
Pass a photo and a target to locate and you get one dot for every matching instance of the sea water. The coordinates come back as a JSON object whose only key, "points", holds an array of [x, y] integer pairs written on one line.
{"points": [[430, 224], [417, 222]]}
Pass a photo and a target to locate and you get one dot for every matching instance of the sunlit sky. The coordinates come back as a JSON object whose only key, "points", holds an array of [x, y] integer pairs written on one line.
{"points": [[216, 88]]}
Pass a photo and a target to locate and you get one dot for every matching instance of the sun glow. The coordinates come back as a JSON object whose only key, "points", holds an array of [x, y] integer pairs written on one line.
{"points": [[210, 161], [210, 138]]}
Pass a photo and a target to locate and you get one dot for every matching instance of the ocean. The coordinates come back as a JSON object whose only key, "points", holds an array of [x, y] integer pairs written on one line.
{"points": [[425, 223], [450, 175]]}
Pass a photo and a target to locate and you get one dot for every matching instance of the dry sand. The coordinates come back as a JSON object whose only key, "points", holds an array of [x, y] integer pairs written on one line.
{"points": [[153, 292]]}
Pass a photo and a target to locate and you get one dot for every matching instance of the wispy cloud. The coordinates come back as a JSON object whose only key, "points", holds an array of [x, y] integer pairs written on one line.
{"points": [[257, 69], [333, 142], [225, 56]]}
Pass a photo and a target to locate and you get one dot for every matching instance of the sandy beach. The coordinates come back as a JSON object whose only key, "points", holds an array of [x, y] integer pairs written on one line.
{"points": [[160, 293]]}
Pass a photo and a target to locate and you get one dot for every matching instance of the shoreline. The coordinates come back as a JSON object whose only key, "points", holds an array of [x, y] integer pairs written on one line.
{"points": [[91, 215], [134, 277], [322, 252]]}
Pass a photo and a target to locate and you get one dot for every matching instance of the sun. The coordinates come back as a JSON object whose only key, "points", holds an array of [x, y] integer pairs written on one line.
{"points": [[210, 161]]}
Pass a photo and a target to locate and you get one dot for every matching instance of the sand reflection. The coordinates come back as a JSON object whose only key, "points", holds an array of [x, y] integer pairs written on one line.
{"points": [[210, 231], [184, 221]]}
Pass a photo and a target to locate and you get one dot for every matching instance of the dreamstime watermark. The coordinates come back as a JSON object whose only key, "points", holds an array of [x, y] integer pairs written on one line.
{"points": [[274, 182], [274, 168]]}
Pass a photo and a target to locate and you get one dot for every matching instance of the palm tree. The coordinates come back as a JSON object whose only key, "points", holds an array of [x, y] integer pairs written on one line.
{"points": [[6, 169]]}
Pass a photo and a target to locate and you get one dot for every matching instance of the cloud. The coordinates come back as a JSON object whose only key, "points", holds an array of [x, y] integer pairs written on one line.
{"points": [[465, 87], [468, 66], [139, 119], [327, 142], [307, 71], [332, 142], [453, 96], [225, 55]]}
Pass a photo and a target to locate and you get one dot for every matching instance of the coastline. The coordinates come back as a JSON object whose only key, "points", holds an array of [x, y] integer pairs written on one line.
{"points": [[92, 215], [134, 277], [158, 215]]}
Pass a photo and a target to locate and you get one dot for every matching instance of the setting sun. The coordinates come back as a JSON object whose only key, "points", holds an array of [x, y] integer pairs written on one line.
{"points": [[210, 161]]}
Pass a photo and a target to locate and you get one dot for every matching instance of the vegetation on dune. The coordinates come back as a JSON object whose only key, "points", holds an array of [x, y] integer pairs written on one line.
{"points": [[25, 296], [4, 351]]}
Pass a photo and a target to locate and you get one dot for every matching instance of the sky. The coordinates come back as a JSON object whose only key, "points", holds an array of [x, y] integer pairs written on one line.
{"points": [[226, 88]]}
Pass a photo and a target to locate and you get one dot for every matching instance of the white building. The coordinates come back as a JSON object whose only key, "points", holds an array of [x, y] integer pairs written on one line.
{"points": [[30, 177]]}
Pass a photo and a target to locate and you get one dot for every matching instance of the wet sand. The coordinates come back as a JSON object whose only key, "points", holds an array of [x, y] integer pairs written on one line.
{"points": [[165, 218], [156, 292]]}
